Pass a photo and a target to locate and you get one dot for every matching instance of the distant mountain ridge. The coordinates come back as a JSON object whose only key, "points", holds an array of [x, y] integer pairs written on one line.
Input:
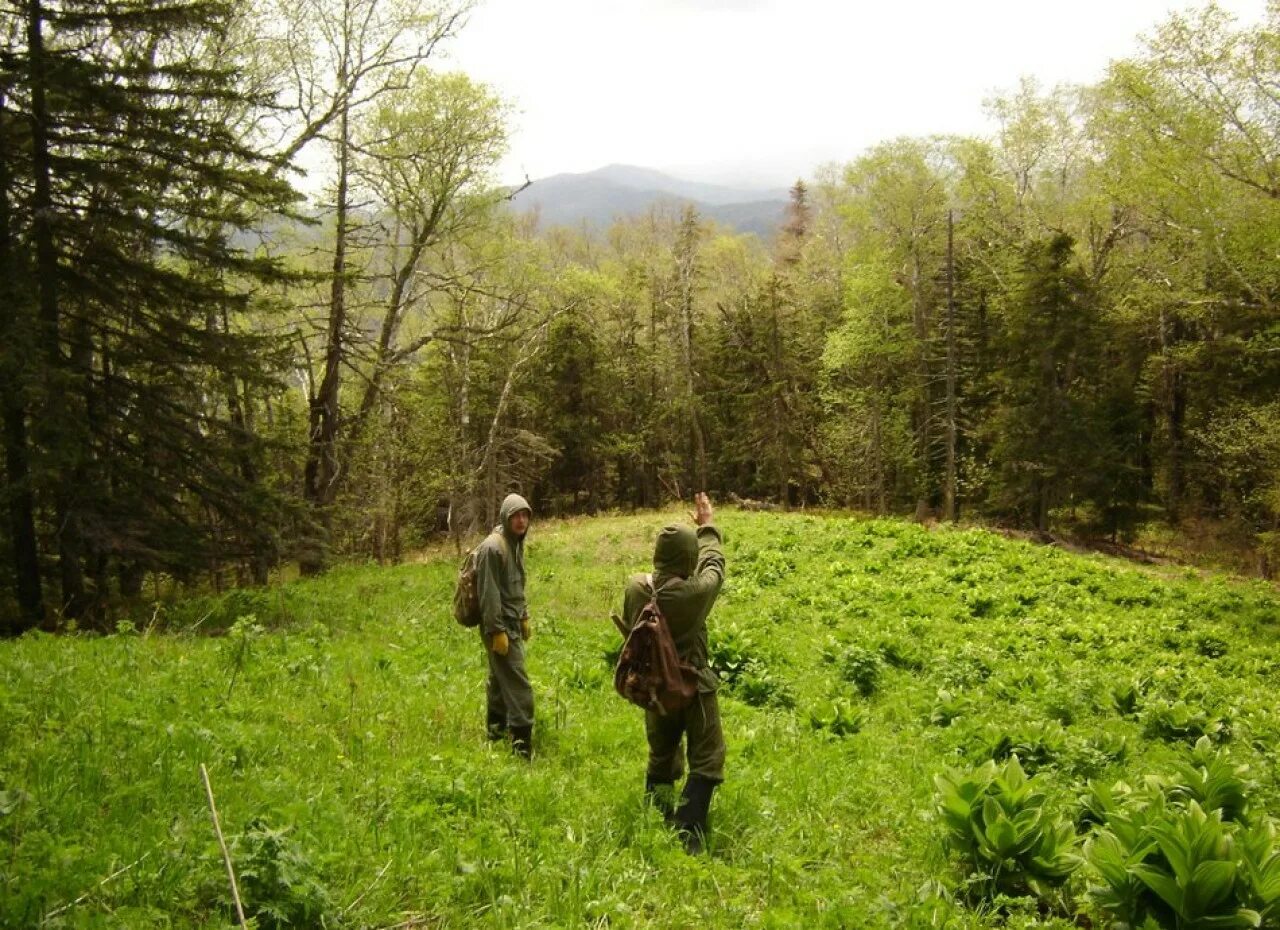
{"points": [[597, 198]]}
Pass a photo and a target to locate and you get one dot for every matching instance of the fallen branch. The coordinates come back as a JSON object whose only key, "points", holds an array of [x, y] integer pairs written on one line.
{"points": [[84, 897], [418, 920], [377, 878], [195, 626], [226, 856], [155, 617]]}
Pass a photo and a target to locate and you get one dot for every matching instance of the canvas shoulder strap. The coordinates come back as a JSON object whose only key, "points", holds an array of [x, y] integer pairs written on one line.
{"points": [[654, 591]]}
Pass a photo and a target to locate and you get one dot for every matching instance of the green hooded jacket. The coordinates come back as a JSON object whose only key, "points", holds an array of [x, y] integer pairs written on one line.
{"points": [[688, 570], [500, 573]]}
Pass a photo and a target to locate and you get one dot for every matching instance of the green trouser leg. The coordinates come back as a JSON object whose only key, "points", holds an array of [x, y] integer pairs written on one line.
{"points": [[699, 725], [510, 695]]}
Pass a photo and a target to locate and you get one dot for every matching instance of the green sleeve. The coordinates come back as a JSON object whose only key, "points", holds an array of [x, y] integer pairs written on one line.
{"points": [[709, 574], [633, 600]]}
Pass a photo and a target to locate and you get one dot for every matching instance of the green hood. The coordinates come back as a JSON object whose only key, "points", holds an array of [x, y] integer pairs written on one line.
{"points": [[676, 552], [511, 504]]}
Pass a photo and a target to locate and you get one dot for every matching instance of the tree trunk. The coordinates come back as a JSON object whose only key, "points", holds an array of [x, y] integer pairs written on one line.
{"points": [[924, 419], [130, 577], [397, 519], [321, 468], [463, 486], [64, 441], [17, 452], [86, 473], [1176, 398], [949, 510], [239, 412], [22, 526], [652, 495], [877, 447], [780, 412]]}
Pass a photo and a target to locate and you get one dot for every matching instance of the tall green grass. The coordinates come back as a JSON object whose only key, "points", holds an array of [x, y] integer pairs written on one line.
{"points": [[341, 721]]}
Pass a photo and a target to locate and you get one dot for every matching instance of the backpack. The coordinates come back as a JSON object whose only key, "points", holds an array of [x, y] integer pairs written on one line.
{"points": [[650, 673], [466, 597]]}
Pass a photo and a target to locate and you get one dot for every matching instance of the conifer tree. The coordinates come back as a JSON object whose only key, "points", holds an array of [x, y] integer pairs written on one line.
{"points": [[128, 203], [1043, 423]]}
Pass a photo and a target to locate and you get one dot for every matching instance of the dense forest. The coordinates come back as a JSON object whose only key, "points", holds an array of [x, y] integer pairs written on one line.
{"points": [[207, 374]]}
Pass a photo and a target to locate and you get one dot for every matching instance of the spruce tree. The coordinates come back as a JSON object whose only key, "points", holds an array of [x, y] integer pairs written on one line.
{"points": [[130, 207]]}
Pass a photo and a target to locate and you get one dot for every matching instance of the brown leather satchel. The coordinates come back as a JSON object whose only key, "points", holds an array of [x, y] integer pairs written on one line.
{"points": [[650, 673]]}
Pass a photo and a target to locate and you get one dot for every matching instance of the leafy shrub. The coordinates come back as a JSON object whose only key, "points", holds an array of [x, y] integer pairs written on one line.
{"points": [[1259, 859], [586, 677], [1092, 754], [1003, 829], [764, 568], [1209, 646], [1100, 801], [967, 667], [1169, 865], [1126, 696], [901, 655], [947, 708], [980, 605], [1177, 854], [759, 688], [731, 654], [1177, 722], [1210, 779], [838, 717], [1035, 745], [733, 657], [858, 665], [1019, 682], [277, 880]]}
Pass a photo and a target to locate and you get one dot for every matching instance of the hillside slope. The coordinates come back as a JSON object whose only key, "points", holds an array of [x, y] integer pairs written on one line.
{"points": [[341, 724], [597, 198]]}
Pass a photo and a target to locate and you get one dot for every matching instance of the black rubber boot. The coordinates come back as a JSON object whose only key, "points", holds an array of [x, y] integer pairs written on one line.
{"points": [[660, 795], [522, 741], [495, 726], [691, 816]]}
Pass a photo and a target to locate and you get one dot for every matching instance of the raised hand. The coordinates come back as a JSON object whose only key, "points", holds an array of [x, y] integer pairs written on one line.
{"points": [[702, 514]]}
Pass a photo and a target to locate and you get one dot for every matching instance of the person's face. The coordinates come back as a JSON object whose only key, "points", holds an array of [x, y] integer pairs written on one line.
{"points": [[519, 522]]}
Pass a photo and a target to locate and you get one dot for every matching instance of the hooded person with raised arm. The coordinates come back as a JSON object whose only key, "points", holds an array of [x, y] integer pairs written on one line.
{"points": [[505, 627], [688, 570]]}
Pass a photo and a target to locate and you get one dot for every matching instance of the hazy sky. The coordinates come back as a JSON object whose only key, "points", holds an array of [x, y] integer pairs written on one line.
{"points": [[766, 90]]}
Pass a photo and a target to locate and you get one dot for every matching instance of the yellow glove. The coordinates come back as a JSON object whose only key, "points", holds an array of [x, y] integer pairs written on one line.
{"points": [[526, 629], [499, 644]]}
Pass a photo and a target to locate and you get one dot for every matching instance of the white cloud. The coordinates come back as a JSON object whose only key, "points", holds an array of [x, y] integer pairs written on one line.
{"points": [[764, 90]]}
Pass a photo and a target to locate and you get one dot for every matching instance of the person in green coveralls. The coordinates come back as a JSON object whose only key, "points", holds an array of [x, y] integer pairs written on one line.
{"points": [[688, 570], [504, 625]]}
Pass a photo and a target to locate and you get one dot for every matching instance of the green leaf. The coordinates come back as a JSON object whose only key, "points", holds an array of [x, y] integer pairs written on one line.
{"points": [[1211, 885], [1161, 883], [1241, 919]]}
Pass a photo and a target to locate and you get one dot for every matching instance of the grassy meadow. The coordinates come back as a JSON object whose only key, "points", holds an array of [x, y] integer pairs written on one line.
{"points": [[341, 723]]}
